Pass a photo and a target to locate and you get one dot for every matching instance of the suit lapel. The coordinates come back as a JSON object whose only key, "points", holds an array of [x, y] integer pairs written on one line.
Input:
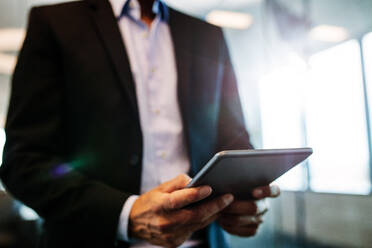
{"points": [[182, 45], [109, 32], [182, 37]]}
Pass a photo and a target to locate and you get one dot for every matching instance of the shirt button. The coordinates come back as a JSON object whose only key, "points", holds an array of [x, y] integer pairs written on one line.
{"points": [[162, 154], [134, 159], [157, 111]]}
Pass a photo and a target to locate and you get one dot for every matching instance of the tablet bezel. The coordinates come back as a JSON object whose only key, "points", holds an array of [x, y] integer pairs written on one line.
{"points": [[243, 153]]}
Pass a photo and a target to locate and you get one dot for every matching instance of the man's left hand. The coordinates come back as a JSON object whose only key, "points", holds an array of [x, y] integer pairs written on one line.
{"points": [[243, 218]]}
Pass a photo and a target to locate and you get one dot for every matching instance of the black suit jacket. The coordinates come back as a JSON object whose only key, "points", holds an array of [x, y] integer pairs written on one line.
{"points": [[74, 144]]}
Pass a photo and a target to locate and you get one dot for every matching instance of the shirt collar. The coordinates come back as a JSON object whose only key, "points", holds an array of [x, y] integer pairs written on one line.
{"points": [[123, 8]]}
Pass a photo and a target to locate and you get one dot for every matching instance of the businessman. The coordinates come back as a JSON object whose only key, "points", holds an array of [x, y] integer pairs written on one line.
{"points": [[113, 102]]}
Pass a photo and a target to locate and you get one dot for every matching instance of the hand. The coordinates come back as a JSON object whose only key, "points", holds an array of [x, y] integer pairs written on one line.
{"points": [[243, 218], [159, 218]]}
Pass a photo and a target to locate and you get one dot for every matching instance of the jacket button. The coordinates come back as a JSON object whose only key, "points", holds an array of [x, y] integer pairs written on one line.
{"points": [[134, 159]]}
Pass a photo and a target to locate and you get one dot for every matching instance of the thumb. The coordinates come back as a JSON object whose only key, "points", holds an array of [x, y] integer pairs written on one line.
{"points": [[176, 183]]}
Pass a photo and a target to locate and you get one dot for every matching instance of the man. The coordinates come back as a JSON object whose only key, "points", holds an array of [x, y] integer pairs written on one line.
{"points": [[110, 101]]}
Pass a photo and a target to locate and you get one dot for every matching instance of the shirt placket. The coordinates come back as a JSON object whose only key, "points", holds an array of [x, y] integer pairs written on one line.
{"points": [[142, 45], [156, 88]]}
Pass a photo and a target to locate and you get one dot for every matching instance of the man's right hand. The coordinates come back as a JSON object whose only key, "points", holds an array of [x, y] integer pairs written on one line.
{"points": [[159, 216]]}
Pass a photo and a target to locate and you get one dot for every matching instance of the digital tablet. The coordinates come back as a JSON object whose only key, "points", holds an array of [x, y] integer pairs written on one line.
{"points": [[239, 171]]}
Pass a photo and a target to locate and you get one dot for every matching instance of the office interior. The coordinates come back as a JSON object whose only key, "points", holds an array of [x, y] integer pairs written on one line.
{"points": [[304, 69]]}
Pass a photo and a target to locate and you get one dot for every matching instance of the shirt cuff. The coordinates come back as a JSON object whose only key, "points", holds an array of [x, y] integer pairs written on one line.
{"points": [[124, 218]]}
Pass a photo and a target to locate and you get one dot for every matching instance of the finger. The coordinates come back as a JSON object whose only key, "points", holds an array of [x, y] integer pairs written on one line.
{"points": [[176, 183], [239, 221], [241, 231], [266, 191], [181, 198], [212, 207], [246, 207], [242, 207], [187, 221], [206, 222]]}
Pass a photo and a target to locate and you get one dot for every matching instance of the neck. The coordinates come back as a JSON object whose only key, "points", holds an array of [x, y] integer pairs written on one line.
{"points": [[147, 15]]}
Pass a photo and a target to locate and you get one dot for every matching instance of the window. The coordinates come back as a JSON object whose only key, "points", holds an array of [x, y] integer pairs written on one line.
{"points": [[336, 121], [321, 105], [367, 49]]}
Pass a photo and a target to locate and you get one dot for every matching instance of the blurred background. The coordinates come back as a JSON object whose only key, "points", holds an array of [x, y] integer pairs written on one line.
{"points": [[304, 69]]}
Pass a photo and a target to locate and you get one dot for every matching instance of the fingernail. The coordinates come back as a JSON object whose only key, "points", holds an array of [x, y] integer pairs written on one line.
{"points": [[275, 191], [253, 219], [261, 206], [258, 219], [227, 199], [205, 191], [257, 193]]}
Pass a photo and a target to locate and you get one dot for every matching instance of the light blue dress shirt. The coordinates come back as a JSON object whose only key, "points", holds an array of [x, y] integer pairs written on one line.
{"points": [[152, 61]]}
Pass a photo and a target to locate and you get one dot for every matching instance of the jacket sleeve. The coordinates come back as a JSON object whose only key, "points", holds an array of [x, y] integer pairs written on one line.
{"points": [[34, 169], [232, 133]]}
